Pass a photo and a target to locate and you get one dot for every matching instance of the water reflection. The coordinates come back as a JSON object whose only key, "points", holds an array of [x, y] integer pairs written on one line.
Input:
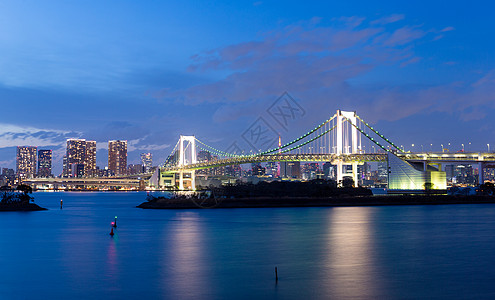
{"points": [[112, 264], [350, 264], [186, 259]]}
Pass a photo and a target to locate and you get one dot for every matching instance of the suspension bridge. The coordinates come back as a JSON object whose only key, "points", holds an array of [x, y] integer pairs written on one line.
{"points": [[345, 140]]}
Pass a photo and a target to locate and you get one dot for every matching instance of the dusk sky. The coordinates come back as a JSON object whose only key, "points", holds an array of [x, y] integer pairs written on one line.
{"points": [[422, 72]]}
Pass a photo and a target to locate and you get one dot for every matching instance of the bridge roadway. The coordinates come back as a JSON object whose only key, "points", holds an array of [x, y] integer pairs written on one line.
{"points": [[345, 158], [430, 157], [487, 159], [455, 158], [129, 180]]}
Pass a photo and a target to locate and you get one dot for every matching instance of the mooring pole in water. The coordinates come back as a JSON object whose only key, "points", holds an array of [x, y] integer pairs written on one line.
{"points": [[111, 232], [61, 203], [276, 274], [115, 222]]}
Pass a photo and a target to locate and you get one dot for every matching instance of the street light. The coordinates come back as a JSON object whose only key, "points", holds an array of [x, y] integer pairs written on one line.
{"points": [[462, 147], [442, 147], [488, 145]]}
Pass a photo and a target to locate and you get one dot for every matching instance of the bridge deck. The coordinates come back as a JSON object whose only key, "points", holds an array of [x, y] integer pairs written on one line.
{"points": [[471, 157]]}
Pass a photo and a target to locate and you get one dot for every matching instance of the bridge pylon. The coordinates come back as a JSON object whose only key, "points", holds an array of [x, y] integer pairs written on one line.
{"points": [[347, 142], [187, 155]]}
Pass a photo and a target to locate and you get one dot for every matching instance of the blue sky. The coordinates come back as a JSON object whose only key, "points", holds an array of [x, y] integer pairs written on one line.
{"points": [[147, 71]]}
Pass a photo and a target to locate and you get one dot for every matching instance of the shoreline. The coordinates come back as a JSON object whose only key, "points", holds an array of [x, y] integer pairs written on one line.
{"points": [[21, 207], [266, 202]]}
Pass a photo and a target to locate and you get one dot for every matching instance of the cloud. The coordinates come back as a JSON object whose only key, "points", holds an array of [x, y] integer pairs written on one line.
{"points": [[297, 58], [389, 19], [322, 65], [14, 135], [403, 36], [449, 28]]}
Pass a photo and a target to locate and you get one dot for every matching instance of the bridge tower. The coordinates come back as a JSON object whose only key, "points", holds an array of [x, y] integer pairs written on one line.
{"points": [[187, 155], [347, 142]]}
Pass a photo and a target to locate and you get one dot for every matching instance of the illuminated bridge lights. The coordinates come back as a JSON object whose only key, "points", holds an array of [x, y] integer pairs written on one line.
{"points": [[346, 158]]}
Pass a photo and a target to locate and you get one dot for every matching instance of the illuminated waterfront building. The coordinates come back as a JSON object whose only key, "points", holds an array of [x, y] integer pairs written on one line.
{"points": [[90, 159], [233, 171], [329, 171], [77, 170], [257, 169], [135, 169], [26, 162], [310, 171], [204, 156], [75, 154], [8, 177], [80, 152], [117, 156], [271, 169], [44, 163], [290, 169], [146, 161]]}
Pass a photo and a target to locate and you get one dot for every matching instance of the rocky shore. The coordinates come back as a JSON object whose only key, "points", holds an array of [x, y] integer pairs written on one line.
{"points": [[20, 207], [17, 199], [193, 202]]}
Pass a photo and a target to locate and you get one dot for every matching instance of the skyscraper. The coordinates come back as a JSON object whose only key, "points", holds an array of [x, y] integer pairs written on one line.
{"points": [[290, 169], [117, 156], [80, 153], [90, 159], [44, 163], [76, 155], [146, 161], [26, 162]]}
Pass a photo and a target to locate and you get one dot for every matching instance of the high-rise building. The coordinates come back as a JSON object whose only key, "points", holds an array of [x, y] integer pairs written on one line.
{"points": [[77, 170], [44, 163], [290, 169], [204, 156], [257, 169], [329, 171], [80, 152], [233, 171], [383, 170], [76, 155], [117, 156], [310, 171], [90, 159], [146, 161], [8, 176], [272, 169], [135, 169], [26, 162]]}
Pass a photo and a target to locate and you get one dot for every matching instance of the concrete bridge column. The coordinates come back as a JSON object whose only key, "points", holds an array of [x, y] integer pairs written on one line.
{"points": [[355, 173], [193, 180], [181, 180], [340, 174], [481, 180]]}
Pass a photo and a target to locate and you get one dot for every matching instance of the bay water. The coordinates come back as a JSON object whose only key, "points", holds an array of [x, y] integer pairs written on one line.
{"points": [[383, 252]]}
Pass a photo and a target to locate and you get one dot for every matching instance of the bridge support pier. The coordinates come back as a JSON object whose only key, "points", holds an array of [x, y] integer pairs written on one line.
{"points": [[181, 180], [187, 158], [193, 180], [341, 174], [481, 180]]}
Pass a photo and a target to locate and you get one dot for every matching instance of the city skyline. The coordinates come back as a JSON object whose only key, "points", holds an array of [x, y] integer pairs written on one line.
{"points": [[424, 76]]}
